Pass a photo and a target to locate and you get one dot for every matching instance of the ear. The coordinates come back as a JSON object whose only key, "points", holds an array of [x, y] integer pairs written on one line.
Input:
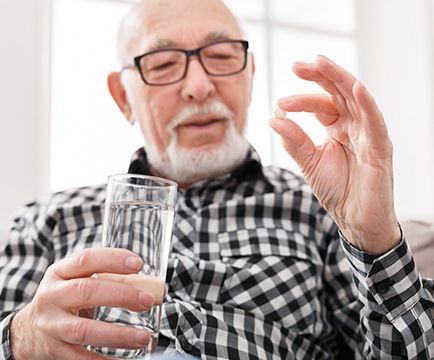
{"points": [[119, 95], [252, 61], [252, 73]]}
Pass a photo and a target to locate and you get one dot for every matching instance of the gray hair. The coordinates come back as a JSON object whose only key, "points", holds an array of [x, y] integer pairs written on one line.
{"points": [[128, 33]]}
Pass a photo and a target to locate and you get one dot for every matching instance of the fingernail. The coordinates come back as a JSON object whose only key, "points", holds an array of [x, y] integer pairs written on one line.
{"points": [[142, 337], [283, 101], [146, 299], [133, 263]]}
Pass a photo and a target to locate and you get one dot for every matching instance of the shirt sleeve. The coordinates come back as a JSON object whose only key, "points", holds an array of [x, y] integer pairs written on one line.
{"points": [[19, 279], [398, 312], [5, 344]]}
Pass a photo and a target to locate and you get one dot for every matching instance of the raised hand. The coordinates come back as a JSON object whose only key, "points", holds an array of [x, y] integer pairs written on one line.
{"points": [[351, 172], [49, 326]]}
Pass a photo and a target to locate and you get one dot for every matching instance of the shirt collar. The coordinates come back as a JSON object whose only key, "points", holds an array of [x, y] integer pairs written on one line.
{"points": [[250, 168]]}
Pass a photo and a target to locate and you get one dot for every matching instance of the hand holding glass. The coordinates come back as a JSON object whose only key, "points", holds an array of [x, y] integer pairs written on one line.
{"points": [[138, 216]]}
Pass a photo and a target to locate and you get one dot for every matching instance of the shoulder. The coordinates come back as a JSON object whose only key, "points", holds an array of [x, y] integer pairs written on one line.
{"points": [[420, 237], [62, 211], [79, 195], [69, 198]]}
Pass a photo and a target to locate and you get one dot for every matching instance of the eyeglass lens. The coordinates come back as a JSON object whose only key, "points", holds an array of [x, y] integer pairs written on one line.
{"points": [[167, 66]]}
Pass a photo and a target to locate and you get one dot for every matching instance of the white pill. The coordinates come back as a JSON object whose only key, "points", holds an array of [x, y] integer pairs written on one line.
{"points": [[280, 113]]}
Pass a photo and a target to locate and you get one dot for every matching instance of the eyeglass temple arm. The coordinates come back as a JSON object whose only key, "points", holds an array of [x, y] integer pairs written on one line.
{"points": [[129, 66]]}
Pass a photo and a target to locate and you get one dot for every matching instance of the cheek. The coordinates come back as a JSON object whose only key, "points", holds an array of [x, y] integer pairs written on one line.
{"points": [[154, 119], [239, 105], [151, 109]]}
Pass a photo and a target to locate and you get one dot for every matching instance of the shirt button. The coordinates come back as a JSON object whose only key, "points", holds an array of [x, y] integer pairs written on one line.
{"points": [[186, 346], [383, 287]]}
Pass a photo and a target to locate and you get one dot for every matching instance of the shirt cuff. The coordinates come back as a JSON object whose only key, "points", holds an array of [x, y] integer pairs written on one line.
{"points": [[6, 350], [389, 283]]}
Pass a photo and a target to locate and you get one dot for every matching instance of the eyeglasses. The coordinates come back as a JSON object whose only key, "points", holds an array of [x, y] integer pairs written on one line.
{"points": [[168, 66]]}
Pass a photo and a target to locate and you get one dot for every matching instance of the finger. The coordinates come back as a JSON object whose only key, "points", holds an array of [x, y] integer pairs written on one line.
{"points": [[310, 72], [63, 351], [342, 79], [96, 260], [375, 126], [151, 284], [295, 141], [334, 79], [329, 75], [60, 350], [85, 293], [101, 334], [318, 104]]}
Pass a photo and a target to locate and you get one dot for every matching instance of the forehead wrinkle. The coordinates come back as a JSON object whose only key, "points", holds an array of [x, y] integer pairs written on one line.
{"points": [[167, 43]]}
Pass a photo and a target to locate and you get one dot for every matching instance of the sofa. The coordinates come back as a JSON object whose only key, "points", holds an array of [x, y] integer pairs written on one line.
{"points": [[420, 236]]}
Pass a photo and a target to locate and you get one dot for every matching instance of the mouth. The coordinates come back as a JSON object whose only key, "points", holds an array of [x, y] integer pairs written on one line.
{"points": [[202, 130], [202, 123]]}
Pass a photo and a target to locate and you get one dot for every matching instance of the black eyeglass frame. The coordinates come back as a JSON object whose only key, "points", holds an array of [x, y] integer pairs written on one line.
{"points": [[188, 54]]}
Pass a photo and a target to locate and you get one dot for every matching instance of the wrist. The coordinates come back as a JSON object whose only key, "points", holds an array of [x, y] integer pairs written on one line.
{"points": [[17, 342], [374, 242]]}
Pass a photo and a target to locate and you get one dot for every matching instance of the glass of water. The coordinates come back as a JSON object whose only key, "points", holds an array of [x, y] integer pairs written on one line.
{"points": [[139, 212]]}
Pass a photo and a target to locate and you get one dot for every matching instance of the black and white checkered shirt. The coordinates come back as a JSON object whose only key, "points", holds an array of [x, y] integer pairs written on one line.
{"points": [[257, 271]]}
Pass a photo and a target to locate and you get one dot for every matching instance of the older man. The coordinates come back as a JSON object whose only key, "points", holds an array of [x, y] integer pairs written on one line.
{"points": [[257, 269]]}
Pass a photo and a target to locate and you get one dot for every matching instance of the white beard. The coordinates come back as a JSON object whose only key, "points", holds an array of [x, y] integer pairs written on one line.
{"points": [[185, 165]]}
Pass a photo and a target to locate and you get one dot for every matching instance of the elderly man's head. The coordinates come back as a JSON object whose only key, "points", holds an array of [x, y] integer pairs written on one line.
{"points": [[192, 117]]}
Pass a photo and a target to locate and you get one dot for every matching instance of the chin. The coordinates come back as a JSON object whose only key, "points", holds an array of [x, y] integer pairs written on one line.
{"points": [[186, 165], [189, 165]]}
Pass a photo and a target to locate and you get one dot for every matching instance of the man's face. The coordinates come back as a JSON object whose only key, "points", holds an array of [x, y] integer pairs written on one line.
{"points": [[186, 24]]}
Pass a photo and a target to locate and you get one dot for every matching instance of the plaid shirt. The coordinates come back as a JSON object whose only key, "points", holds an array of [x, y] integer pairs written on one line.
{"points": [[257, 271]]}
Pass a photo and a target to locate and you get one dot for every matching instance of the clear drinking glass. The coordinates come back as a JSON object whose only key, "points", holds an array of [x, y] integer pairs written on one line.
{"points": [[139, 212]]}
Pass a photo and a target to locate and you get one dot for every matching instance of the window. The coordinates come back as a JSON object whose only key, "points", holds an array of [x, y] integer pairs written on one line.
{"points": [[90, 138], [281, 32]]}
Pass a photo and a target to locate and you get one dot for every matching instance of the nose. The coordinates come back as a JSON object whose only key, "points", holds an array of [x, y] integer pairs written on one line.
{"points": [[197, 84]]}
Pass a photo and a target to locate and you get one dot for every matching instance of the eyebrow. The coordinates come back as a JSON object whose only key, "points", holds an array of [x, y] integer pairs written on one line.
{"points": [[166, 43]]}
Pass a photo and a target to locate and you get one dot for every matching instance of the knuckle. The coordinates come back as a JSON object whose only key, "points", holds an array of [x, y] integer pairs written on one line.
{"points": [[79, 332], [50, 350], [84, 290], [41, 308], [125, 292], [81, 258], [50, 271]]}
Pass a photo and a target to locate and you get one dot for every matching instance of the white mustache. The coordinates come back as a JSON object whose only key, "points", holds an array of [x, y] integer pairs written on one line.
{"points": [[216, 109]]}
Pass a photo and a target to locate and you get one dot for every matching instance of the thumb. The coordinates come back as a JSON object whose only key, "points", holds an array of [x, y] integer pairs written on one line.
{"points": [[295, 141]]}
